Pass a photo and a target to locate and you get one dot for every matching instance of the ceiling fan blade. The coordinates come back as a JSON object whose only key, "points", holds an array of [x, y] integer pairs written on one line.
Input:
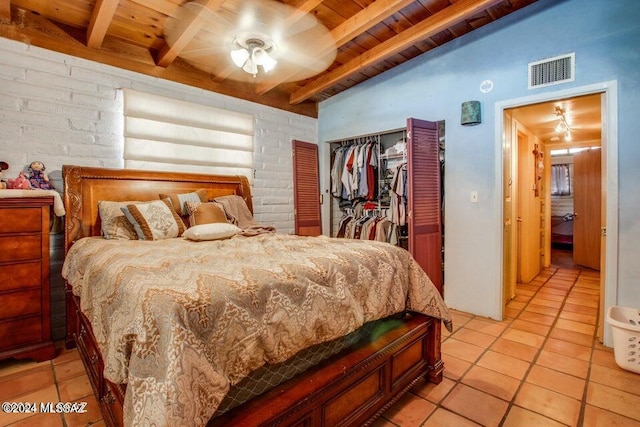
{"points": [[217, 17], [288, 36]]}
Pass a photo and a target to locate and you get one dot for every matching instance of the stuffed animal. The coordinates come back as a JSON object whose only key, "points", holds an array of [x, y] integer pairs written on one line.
{"points": [[20, 183], [38, 177], [3, 167]]}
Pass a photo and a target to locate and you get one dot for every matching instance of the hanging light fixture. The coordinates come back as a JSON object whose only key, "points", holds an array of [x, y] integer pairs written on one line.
{"points": [[562, 125], [252, 51]]}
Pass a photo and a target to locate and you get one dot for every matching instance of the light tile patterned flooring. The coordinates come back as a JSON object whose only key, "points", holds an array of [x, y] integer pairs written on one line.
{"points": [[541, 366]]}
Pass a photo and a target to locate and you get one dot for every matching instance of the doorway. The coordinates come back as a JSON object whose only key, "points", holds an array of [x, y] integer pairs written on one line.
{"points": [[513, 127]]}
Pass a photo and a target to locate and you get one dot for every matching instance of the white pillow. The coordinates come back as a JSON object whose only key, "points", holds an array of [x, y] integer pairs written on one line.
{"points": [[213, 231]]}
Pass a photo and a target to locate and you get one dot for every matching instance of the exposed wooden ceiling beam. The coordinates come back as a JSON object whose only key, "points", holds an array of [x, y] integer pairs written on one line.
{"points": [[5, 11], [302, 10], [373, 14], [101, 17], [430, 26], [348, 30], [166, 7], [188, 30]]}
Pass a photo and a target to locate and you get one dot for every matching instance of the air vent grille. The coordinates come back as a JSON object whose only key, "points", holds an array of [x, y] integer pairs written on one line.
{"points": [[552, 71]]}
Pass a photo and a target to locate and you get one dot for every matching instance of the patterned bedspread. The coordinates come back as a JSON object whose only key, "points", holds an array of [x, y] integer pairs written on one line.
{"points": [[181, 321]]}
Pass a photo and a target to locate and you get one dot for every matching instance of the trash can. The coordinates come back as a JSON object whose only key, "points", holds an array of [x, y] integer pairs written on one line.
{"points": [[625, 324]]}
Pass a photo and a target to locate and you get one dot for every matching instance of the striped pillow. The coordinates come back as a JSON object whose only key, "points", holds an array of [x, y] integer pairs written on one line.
{"points": [[155, 220], [178, 200]]}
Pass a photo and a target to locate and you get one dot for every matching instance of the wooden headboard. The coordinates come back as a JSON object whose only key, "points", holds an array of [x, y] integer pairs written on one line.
{"points": [[84, 187]]}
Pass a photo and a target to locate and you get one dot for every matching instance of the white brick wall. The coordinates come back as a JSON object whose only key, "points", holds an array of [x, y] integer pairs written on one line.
{"points": [[63, 110]]}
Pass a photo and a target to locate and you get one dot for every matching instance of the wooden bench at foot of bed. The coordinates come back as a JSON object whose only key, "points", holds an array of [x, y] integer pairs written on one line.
{"points": [[353, 388]]}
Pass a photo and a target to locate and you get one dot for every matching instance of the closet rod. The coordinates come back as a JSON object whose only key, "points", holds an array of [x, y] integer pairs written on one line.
{"points": [[386, 132]]}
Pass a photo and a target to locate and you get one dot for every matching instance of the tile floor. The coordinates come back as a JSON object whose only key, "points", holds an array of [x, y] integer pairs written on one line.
{"points": [[539, 367], [62, 379]]}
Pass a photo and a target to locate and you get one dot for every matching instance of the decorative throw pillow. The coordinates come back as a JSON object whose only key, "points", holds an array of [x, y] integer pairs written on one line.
{"points": [[213, 231], [237, 211], [155, 220], [205, 213], [178, 200], [113, 223]]}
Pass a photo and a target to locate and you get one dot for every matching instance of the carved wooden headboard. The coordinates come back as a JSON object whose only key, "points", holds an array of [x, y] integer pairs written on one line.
{"points": [[84, 187]]}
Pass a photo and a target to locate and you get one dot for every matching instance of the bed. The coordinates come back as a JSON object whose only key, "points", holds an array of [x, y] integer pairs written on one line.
{"points": [[562, 230], [154, 353]]}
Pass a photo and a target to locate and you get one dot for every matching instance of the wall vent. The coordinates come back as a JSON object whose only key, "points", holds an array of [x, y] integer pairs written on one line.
{"points": [[552, 71]]}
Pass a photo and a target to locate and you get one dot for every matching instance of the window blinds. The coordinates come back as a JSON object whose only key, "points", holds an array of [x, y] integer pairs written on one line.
{"points": [[561, 179], [165, 134]]}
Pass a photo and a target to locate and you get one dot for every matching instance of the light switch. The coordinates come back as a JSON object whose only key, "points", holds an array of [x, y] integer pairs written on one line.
{"points": [[474, 197]]}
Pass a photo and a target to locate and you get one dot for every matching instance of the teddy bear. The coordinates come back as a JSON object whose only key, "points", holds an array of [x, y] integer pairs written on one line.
{"points": [[38, 177], [20, 183], [3, 167]]}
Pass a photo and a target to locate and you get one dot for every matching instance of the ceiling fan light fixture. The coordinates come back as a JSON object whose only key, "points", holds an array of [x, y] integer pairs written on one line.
{"points": [[250, 67], [262, 57], [240, 56], [252, 50], [562, 125]]}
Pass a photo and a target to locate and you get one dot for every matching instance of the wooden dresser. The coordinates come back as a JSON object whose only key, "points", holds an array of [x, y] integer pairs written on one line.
{"points": [[25, 301]]}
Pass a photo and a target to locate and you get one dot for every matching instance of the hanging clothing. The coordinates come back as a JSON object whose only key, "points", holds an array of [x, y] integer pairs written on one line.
{"points": [[354, 171], [367, 224], [336, 172], [398, 195]]}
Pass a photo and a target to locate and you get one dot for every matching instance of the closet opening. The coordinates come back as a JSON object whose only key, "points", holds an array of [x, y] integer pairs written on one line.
{"points": [[388, 187]]}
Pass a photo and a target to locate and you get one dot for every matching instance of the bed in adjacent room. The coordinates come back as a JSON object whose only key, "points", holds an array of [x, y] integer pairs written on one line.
{"points": [[562, 230], [235, 324]]}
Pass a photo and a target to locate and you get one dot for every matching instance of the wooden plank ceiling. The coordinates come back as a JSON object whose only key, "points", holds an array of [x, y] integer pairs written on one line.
{"points": [[371, 36]]}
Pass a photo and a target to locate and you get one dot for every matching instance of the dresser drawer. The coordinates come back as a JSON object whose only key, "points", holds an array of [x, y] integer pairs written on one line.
{"points": [[19, 332], [13, 304], [20, 248], [20, 220], [19, 276]]}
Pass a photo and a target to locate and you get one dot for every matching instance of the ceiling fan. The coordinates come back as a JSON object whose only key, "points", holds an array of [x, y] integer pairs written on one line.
{"points": [[254, 41]]}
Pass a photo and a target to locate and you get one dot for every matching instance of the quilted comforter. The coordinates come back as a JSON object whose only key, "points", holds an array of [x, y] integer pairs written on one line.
{"points": [[179, 321]]}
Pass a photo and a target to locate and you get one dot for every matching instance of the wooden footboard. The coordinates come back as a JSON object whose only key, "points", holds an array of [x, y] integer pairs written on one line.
{"points": [[351, 389]]}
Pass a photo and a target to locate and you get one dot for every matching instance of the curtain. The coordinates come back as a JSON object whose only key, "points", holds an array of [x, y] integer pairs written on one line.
{"points": [[561, 180], [166, 134]]}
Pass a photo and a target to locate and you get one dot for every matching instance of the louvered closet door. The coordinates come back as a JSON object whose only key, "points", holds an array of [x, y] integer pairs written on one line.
{"points": [[306, 189], [423, 174]]}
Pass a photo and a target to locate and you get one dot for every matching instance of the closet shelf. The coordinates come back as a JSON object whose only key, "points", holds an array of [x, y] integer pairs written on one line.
{"points": [[385, 156]]}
